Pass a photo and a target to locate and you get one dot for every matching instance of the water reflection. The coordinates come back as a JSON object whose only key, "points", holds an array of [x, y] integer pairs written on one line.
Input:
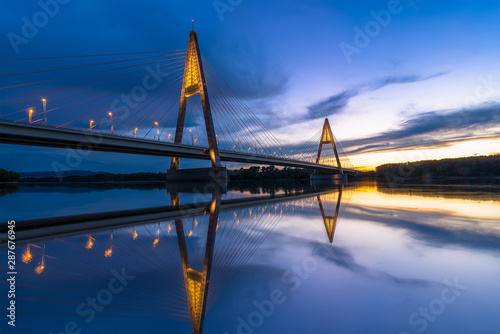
{"points": [[204, 265], [206, 250]]}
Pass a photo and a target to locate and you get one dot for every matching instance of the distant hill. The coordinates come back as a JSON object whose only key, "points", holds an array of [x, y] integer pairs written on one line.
{"points": [[58, 174]]}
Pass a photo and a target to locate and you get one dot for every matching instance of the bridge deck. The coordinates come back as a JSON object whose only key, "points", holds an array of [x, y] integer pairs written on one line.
{"points": [[36, 135]]}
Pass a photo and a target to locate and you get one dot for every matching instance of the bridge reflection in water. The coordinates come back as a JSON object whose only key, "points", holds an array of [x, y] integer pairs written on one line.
{"points": [[173, 269]]}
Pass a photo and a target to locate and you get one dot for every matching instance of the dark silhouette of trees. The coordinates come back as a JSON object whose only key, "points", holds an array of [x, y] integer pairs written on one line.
{"points": [[480, 166], [8, 176]]}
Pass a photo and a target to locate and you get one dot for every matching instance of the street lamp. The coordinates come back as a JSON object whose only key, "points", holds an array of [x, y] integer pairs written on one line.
{"points": [[168, 138], [111, 119], [44, 102], [30, 115], [157, 130], [192, 138], [135, 131], [91, 123], [195, 141]]}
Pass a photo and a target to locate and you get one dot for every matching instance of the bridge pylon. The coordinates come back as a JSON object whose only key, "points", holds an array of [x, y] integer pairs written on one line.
{"points": [[326, 139], [197, 282], [193, 83], [331, 221]]}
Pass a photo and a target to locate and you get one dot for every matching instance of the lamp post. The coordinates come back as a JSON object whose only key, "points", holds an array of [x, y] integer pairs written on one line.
{"points": [[30, 115], [44, 103], [111, 119], [135, 132], [192, 138], [157, 130], [91, 123], [195, 141], [168, 138]]}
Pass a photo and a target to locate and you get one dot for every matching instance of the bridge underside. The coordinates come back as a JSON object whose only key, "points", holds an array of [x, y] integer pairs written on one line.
{"points": [[35, 135]]}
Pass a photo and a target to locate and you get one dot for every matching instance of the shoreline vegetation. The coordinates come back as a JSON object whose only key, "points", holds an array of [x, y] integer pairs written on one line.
{"points": [[426, 170], [476, 167]]}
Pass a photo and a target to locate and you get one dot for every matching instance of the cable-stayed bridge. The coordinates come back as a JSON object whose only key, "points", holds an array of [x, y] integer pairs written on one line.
{"points": [[163, 103]]}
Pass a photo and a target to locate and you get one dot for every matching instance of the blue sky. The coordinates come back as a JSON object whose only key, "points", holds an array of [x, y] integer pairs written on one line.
{"points": [[425, 84]]}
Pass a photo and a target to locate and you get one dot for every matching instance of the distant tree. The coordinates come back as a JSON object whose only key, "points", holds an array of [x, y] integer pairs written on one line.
{"points": [[9, 176]]}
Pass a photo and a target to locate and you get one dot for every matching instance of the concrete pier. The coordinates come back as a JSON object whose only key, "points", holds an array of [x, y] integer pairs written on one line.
{"points": [[216, 174], [328, 177]]}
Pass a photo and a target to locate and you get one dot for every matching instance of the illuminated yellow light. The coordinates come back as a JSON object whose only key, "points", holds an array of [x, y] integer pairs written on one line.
{"points": [[134, 235], [90, 243], [194, 290], [169, 228], [26, 256], [190, 234], [41, 267], [108, 252], [191, 77], [157, 237]]}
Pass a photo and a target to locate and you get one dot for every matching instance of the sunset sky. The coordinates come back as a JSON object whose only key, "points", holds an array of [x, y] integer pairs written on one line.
{"points": [[422, 84]]}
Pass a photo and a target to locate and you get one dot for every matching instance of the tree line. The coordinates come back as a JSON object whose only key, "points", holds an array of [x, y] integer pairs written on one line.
{"points": [[480, 166], [9, 176]]}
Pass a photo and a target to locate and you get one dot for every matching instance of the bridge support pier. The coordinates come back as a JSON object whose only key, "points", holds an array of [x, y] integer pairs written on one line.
{"points": [[216, 174], [328, 177]]}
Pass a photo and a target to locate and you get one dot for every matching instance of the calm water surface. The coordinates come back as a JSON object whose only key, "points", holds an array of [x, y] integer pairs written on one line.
{"points": [[405, 259]]}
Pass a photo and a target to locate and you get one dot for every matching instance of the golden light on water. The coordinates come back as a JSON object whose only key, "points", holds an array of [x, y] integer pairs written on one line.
{"points": [[134, 234], [41, 267], [169, 228], [109, 251], [190, 234], [27, 257], [90, 243], [157, 239]]}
